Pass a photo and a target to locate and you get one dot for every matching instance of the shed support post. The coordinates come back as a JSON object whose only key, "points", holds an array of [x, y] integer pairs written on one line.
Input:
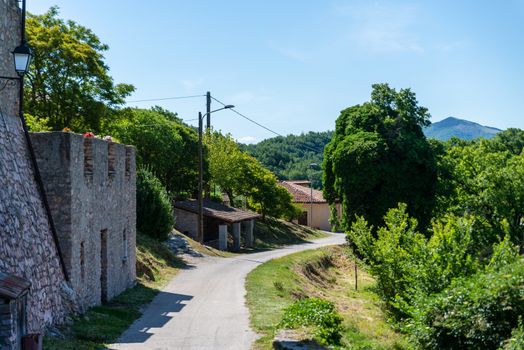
{"points": [[236, 236], [248, 230], [222, 237]]}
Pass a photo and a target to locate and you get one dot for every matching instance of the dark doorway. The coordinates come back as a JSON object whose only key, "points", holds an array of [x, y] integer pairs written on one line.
{"points": [[302, 219], [103, 265]]}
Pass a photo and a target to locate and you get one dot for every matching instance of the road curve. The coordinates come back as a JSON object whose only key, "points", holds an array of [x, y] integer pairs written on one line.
{"points": [[203, 307]]}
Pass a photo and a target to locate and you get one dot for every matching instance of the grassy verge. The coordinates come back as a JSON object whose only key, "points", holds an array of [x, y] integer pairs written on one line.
{"points": [[326, 273], [273, 233], [102, 325]]}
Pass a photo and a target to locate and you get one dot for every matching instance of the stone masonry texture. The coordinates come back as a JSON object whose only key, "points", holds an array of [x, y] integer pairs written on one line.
{"points": [[26, 245], [91, 188]]}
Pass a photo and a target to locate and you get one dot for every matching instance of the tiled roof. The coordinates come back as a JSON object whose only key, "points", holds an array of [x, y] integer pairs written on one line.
{"points": [[217, 211], [301, 193], [12, 287]]}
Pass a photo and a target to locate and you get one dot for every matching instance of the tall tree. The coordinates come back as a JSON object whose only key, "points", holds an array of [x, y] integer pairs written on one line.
{"points": [[239, 174], [379, 156], [164, 145], [70, 83]]}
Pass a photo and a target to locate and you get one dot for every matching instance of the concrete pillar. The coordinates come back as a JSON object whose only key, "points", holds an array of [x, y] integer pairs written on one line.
{"points": [[222, 237], [248, 231], [236, 236]]}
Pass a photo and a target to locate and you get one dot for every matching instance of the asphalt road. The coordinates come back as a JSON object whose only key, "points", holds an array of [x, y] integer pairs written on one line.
{"points": [[203, 307]]}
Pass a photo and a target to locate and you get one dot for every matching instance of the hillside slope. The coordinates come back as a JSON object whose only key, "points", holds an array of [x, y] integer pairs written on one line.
{"points": [[463, 129], [289, 157]]}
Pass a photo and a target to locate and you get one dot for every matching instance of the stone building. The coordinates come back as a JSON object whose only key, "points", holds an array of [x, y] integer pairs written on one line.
{"points": [[27, 249], [91, 189]]}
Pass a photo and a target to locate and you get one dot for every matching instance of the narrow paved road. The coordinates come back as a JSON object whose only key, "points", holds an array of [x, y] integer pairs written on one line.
{"points": [[204, 307]]}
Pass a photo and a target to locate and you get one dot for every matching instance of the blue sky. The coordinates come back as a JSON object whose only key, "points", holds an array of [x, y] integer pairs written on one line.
{"points": [[293, 65]]}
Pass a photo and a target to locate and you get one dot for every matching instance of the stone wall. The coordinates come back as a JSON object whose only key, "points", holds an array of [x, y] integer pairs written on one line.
{"points": [[91, 187], [27, 247], [186, 222]]}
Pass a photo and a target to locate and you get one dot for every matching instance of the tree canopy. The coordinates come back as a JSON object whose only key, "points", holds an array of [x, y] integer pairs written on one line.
{"points": [[70, 84], [164, 144], [238, 174], [379, 157]]}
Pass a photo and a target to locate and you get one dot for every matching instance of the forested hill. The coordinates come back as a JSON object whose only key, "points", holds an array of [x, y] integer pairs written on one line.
{"points": [[463, 129], [289, 157]]}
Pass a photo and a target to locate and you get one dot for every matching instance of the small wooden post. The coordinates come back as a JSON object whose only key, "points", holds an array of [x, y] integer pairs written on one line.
{"points": [[356, 275]]}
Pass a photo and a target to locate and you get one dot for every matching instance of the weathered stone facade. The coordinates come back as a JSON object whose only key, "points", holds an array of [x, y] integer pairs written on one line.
{"points": [[26, 245], [91, 188]]}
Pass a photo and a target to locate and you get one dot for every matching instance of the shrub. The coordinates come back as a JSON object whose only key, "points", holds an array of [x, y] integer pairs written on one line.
{"points": [[516, 342], [318, 313], [153, 206], [479, 312], [361, 240]]}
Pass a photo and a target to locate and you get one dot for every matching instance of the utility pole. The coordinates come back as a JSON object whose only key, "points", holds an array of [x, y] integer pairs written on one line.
{"points": [[200, 226], [207, 188], [208, 111]]}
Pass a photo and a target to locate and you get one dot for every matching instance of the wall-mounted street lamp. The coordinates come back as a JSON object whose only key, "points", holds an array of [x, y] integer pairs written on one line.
{"points": [[200, 224], [22, 55]]}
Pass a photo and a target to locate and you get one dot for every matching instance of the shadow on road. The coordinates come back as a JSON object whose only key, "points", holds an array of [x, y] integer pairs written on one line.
{"points": [[158, 315]]}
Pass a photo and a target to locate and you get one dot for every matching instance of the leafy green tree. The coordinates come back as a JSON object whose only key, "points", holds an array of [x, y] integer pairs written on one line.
{"points": [[165, 145], [238, 174], [489, 183], [379, 156], [153, 206], [70, 83], [511, 140]]}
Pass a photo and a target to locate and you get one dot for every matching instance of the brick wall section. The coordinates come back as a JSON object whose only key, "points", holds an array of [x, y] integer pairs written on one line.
{"points": [[91, 187], [186, 222], [27, 247]]}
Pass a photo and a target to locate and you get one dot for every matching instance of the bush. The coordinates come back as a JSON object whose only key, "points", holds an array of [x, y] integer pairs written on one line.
{"points": [[318, 313], [153, 206], [479, 312], [516, 342]]}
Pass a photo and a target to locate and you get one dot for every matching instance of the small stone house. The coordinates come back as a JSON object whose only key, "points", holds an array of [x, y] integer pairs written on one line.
{"points": [[13, 303], [91, 188], [315, 209], [219, 220]]}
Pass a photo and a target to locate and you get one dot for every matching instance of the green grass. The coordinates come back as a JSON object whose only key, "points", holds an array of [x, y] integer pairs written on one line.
{"points": [[102, 325], [326, 273], [273, 233]]}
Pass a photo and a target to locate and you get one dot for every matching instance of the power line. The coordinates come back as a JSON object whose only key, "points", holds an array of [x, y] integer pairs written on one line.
{"points": [[262, 126], [166, 98]]}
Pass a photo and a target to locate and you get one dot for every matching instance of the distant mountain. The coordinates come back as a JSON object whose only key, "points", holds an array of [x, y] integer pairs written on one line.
{"points": [[463, 129]]}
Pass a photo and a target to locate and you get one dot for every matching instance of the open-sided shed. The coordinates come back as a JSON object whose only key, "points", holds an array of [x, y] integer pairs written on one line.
{"points": [[219, 219]]}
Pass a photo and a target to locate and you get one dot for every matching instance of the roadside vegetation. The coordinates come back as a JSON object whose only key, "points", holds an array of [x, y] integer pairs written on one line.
{"points": [[102, 325], [277, 292], [441, 228]]}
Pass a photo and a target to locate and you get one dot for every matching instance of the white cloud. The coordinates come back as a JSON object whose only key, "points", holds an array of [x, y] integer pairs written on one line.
{"points": [[191, 84], [247, 139], [248, 96], [383, 27], [288, 51]]}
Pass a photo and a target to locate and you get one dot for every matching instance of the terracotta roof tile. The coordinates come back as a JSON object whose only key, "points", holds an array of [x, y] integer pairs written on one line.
{"points": [[217, 210], [301, 193]]}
